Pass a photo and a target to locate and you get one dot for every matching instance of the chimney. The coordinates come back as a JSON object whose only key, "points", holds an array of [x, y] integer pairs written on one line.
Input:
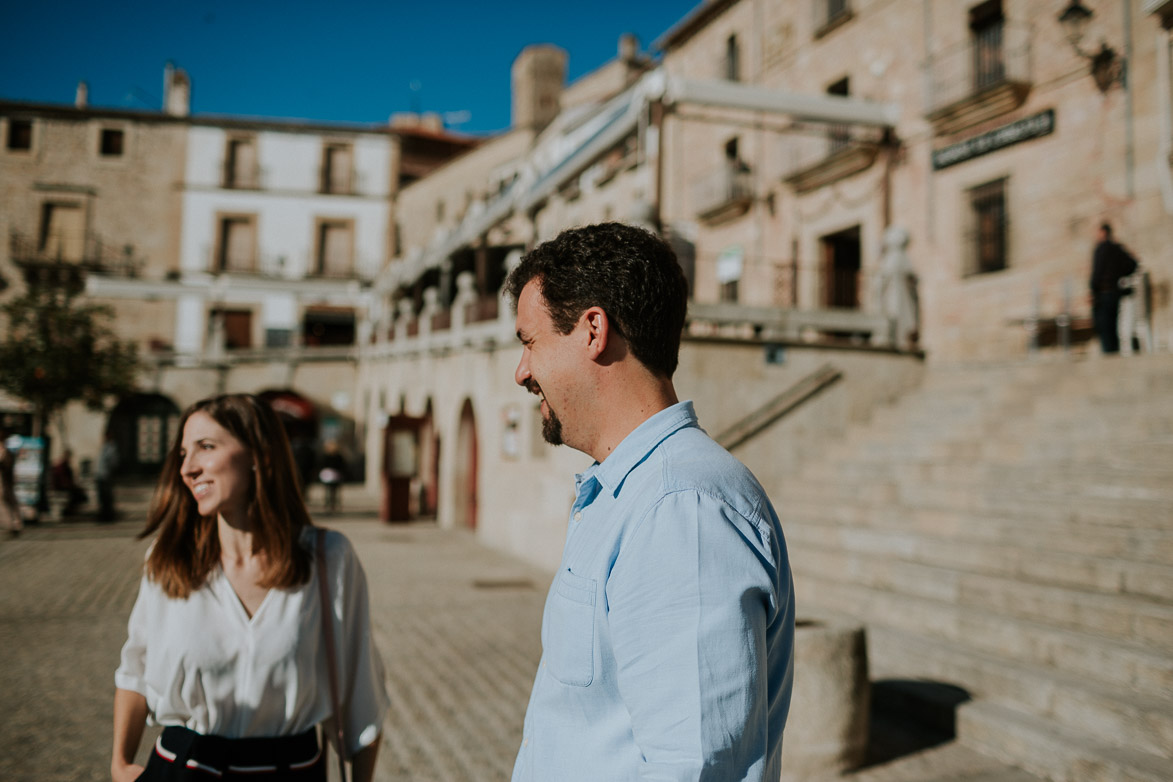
{"points": [[628, 48], [82, 98], [538, 75], [176, 91]]}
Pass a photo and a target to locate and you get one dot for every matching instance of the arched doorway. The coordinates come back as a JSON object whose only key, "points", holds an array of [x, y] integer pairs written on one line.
{"points": [[465, 477], [144, 426], [401, 467]]}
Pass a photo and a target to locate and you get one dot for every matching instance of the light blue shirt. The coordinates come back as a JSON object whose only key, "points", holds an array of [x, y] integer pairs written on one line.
{"points": [[668, 633]]}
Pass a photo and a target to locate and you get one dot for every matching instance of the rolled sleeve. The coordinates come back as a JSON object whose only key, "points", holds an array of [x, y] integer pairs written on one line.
{"points": [[689, 600], [132, 667], [363, 695]]}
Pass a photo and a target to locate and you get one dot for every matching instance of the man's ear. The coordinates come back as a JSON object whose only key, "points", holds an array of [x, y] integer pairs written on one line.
{"points": [[597, 331]]}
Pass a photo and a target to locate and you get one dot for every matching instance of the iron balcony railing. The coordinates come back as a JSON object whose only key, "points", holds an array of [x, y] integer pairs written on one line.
{"points": [[726, 185], [996, 55], [274, 266], [812, 145], [83, 249]]}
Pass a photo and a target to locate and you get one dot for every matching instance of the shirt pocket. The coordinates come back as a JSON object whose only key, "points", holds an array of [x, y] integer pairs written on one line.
{"points": [[570, 637]]}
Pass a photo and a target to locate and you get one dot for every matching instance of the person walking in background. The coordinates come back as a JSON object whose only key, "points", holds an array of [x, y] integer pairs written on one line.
{"points": [[332, 474], [668, 633], [9, 509], [241, 605], [65, 483], [104, 477], [1110, 263]]}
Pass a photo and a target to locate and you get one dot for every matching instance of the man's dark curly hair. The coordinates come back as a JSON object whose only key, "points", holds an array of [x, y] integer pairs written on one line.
{"points": [[629, 272]]}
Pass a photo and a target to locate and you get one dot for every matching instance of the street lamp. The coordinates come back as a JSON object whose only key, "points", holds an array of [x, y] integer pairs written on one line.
{"points": [[1107, 66]]}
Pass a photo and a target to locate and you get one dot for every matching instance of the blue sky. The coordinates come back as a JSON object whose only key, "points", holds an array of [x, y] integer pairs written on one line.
{"points": [[351, 60]]}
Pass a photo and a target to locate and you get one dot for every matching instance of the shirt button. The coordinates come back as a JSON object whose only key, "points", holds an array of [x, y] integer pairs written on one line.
{"points": [[525, 743], [578, 515]]}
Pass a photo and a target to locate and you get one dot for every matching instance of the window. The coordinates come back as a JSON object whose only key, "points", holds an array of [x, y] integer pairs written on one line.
{"points": [[335, 250], [985, 25], [337, 165], [732, 59], [328, 326], [238, 328], [63, 232], [110, 142], [240, 163], [729, 268], [842, 261], [840, 135], [731, 152], [836, 9], [989, 234], [236, 248], [829, 14], [20, 134], [729, 290]]}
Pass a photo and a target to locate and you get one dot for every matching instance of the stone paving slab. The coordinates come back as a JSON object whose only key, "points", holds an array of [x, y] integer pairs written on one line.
{"points": [[457, 624]]}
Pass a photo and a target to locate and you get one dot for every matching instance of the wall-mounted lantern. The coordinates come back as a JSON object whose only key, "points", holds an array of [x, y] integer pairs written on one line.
{"points": [[1107, 66]]}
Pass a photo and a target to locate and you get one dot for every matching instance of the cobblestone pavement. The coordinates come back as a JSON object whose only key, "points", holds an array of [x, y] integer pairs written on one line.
{"points": [[458, 626]]}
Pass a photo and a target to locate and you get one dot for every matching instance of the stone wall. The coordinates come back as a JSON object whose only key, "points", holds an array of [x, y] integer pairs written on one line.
{"points": [[525, 487]]}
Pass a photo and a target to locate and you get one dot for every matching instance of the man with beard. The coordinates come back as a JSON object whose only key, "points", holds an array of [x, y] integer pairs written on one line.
{"points": [[668, 632]]}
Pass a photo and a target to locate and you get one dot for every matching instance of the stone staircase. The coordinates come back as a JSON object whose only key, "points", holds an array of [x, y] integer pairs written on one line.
{"points": [[1009, 530]]}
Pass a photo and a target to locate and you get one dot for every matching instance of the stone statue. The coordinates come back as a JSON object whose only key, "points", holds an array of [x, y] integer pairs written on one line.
{"points": [[896, 292]]}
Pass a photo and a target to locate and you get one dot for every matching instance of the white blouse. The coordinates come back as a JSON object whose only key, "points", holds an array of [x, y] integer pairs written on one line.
{"points": [[202, 663]]}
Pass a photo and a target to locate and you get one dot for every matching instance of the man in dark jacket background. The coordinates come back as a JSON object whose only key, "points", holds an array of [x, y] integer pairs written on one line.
{"points": [[1110, 263]]}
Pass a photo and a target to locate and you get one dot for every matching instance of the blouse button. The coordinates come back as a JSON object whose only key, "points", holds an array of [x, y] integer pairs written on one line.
{"points": [[578, 515]]}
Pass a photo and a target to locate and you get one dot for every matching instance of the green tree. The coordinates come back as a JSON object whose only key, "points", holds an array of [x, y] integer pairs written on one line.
{"points": [[58, 349]]}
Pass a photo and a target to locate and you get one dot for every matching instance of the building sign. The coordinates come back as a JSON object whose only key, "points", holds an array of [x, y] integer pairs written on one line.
{"points": [[1041, 124], [729, 264]]}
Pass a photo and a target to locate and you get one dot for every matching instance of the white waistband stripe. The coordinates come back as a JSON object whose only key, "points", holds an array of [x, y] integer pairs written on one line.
{"points": [[308, 763], [163, 752], [206, 769]]}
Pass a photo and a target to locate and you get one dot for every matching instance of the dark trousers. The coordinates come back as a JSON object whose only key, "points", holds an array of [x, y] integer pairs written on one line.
{"points": [[105, 500], [1106, 313], [183, 754]]}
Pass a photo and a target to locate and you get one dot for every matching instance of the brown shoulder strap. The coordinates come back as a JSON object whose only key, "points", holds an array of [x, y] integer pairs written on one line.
{"points": [[331, 654]]}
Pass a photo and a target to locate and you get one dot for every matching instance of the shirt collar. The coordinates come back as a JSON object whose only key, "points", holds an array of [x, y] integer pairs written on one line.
{"points": [[642, 440]]}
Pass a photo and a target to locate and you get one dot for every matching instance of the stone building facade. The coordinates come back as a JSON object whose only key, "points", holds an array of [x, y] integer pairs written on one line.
{"points": [[994, 106], [93, 191], [238, 254], [779, 147]]}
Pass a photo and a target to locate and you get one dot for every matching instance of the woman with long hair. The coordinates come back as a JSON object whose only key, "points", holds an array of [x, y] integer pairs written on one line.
{"points": [[227, 645]]}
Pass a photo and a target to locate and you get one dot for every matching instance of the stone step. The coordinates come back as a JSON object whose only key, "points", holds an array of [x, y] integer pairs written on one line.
{"points": [[1068, 535], [982, 443], [1131, 666], [883, 582], [1131, 429], [1052, 751], [1136, 721], [1067, 372], [1045, 388], [1153, 478], [1036, 561], [1146, 509]]}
